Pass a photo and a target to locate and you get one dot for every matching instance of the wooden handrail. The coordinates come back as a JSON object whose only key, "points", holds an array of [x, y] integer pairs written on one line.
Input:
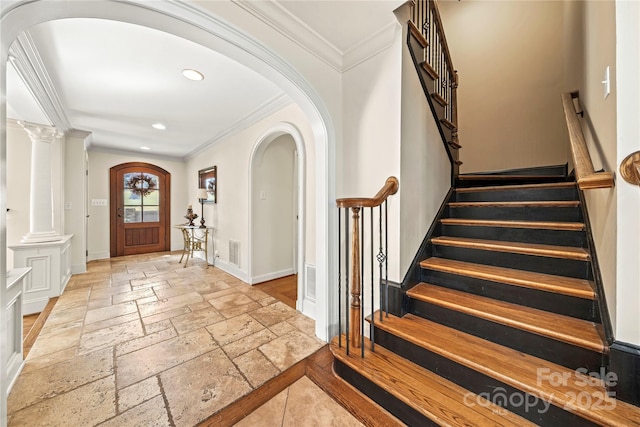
{"points": [[390, 187], [586, 176]]}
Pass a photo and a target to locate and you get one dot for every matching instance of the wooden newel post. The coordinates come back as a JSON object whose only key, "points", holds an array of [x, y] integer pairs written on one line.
{"points": [[354, 312]]}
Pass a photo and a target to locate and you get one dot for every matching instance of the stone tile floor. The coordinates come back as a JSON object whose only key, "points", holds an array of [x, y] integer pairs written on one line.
{"points": [[140, 341]]}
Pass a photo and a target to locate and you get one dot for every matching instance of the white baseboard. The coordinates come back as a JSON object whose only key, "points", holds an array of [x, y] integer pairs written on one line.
{"points": [[271, 276], [307, 307], [79, 268], [98, 255], [34, 306], [232, 270]]}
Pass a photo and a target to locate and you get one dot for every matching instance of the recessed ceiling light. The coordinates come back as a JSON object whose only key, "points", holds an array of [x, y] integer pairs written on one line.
{"points": [[145, 148], [158, 126], [192, 74]]}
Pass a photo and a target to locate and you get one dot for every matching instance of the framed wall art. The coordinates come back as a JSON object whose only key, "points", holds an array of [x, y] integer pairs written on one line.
{"points": [[208, 179]]}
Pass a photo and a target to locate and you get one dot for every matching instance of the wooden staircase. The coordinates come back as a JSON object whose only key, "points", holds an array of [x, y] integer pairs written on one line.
{"points": [[505, 326]]}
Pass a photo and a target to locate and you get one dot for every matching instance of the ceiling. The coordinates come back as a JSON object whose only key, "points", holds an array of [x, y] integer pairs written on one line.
{"points": [[116, 79]]}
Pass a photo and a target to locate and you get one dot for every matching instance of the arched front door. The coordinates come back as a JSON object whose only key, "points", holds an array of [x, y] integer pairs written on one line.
{"points": [[140, 205]]}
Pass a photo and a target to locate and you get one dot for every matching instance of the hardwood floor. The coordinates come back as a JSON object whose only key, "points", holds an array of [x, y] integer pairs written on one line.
{"points": [[285, 289]]}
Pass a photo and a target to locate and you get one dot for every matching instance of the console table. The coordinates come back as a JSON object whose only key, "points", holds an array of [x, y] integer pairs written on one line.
{"points": [[196, 239]]}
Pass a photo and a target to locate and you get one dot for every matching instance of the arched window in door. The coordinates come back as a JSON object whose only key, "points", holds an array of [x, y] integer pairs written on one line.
{"points": [[140, 205]]}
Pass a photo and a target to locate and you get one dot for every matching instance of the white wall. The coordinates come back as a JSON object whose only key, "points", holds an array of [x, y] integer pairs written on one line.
{"points": [[370, 150], [230, 216], [74, 202], [18, 185], [590, 46], [98, 228], [273, 213], [510, 61], [426, 171]]}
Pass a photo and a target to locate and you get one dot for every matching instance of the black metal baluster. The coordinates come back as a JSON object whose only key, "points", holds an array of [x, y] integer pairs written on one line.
{"points": [[362, 282], [386, 252], [373, 317], [346, 275], [339, 279], [380, 258]]}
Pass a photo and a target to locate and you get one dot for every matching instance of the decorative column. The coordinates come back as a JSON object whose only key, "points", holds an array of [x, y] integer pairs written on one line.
{"points": [[41, 198]]}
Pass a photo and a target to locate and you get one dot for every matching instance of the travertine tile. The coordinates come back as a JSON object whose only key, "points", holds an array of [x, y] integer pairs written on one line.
{"points": [[47, 359], [249, 342], [146, 362], [37, 385], [111, 336], [210, 287], [256, 368], [133, 295], [282, 328], [290, 348], [169, 304], [303, 323], [147, 320], [55, 341], [308, 405], [145, 341], [172, 291], [230, 301], [73, 297], [269, 414], [231, 330], [98, 293], [63, 316], [110, 322], [274, 313], [202, 386], [241, 309], [158, 326], [149, 413], [110, 312], [85, 406], [137, 393], [196, 320]]}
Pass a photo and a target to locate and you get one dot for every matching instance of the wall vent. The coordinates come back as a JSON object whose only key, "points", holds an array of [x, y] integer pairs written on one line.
{"points": [[234, 252], [310, 276]]}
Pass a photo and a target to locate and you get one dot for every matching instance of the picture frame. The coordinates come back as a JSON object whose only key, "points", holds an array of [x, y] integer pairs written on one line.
{"points": [[208, 179]]}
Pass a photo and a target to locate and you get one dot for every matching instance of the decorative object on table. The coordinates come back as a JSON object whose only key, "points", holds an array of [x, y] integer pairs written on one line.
{"points": [[190, 216], [208, 180], [202, 195]]}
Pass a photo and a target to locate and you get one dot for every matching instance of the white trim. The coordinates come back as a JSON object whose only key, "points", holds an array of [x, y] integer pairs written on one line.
{"points": [[78, 268], [268, 108], [271, 276], [98, 255], [371, 46], [29, 66], [287, 24], [232, 270], [284, 128], [34, 305]]}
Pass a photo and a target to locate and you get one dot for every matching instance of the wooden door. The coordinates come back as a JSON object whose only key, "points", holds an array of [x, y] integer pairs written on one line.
{"points": [[140, 202]]}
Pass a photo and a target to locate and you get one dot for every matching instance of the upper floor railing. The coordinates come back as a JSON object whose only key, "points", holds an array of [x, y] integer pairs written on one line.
{"points": [[355, 241], [426, 20], [586, 177]]}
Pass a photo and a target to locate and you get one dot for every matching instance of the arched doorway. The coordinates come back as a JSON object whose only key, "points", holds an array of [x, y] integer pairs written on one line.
{"points": [[140, 216], [194, 23]]}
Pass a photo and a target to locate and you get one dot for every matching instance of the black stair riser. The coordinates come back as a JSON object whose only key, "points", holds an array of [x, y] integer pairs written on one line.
{"points": [[477, 383], [540, 264], [559, 352], [401, 410], [515, 195], [525, 235], [525, 213], [559, 170], [556, 303], [465, 183]]}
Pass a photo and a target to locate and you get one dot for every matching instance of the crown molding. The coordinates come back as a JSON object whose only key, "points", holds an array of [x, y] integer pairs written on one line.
{"points": [[268, 108], [370, 47], [287, 24], [29, 66], [133, 154]]}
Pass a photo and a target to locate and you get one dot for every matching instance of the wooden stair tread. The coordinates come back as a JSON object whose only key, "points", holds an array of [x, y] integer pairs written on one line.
{"points": [[436, 398], [551, 325], [552, 251], [514, 368], [518, 204], [543, 225], [579, 288], [516, 187]]}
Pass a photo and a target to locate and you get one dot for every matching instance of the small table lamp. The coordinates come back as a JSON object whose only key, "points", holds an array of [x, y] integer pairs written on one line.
{"points": [[202, 196]]}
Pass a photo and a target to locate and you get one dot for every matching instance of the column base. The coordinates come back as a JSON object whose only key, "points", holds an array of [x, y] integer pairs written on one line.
{"points": [[49, 236]]}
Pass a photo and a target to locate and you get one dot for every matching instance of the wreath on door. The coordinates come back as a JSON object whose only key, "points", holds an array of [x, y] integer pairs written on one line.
{"points": [[142, 184]]}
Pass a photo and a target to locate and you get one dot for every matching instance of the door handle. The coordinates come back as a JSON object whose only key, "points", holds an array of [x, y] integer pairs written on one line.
{"points": [[119, 212]]}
